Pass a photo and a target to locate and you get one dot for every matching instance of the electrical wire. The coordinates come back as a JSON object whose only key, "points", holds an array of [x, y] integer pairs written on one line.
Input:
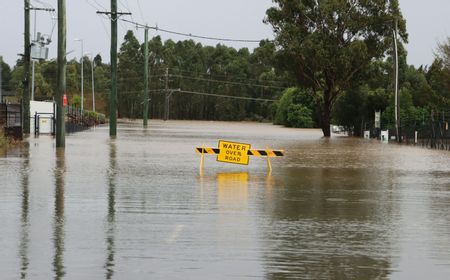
{"points": [[100, 5], [140, 10], [206, 94], [52, 16], [205, 80], [228, 96], [226, 82], [280, 83], [188, 34]]}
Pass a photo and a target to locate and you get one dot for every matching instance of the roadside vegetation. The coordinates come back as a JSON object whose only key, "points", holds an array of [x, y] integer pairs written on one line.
{"points": [[323, 67], [4, 141]]}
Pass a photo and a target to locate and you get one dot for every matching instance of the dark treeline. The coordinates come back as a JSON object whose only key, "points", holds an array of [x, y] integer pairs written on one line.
{"points": [[191, 72], [194, 73]]}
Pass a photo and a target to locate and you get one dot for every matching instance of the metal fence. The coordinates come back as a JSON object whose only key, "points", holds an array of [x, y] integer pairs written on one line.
{"points": [[432, 131], [11, 119]]}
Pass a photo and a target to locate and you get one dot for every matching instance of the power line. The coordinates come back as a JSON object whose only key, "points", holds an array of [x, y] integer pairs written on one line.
{"points": [[140, 10], [226, 82], [223, 76], [189, 34], [208, 94], [228, 96]]}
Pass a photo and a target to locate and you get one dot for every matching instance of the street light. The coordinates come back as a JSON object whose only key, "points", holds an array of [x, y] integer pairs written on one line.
{"points": [[82, 78], [92, 78], [397, 98]]}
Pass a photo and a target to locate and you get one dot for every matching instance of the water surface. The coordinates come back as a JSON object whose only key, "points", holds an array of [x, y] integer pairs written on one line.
{"points": [[138, 207]]}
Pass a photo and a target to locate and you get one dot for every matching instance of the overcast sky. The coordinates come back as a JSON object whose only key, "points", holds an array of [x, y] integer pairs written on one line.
{"points": [[427, 22]]}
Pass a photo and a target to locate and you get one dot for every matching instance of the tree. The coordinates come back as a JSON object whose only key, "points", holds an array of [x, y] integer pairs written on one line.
{"points": [[327, 43], [130, 77], [295, 109], [6, 75]]}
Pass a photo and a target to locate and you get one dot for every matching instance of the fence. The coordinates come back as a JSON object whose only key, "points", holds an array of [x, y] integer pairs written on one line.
{"points": [[432, 131], [11, 119]]}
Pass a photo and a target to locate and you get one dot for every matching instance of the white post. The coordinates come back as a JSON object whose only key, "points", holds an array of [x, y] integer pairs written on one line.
{"points": [[33, 65], [82, 75], [82, 78], [93, 85], [397, 100]]}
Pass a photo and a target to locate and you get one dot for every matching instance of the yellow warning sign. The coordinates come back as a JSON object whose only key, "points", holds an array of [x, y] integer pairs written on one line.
{"points": [[233, 152]]}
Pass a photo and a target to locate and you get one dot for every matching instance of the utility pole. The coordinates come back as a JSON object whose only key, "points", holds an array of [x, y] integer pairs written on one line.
{"points": [[33, 67], [37, 42], [26, 78], [146, 78], [397, 98], [93, 83], [82, 73], [113, 96], [167, 96], [60, 110]]}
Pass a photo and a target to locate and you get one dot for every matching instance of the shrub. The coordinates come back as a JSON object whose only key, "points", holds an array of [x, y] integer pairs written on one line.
{"points": [[295, 109], [4, 141], [299, 116], [76, 101]]}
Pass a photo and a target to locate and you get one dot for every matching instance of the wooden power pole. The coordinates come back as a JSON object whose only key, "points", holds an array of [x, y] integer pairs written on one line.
{"points": [[146, 95], [60, 110], [113, 96], [26, 78]]}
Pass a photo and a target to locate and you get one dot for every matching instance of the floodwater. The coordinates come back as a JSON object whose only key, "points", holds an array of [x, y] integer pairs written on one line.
{"points": [[138, 207]]}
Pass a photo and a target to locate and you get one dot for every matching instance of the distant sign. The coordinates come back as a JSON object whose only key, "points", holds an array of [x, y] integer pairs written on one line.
{"points": [[233, 152], [378, 119]]}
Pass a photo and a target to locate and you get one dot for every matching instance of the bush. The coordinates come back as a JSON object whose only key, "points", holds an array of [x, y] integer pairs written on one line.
{"points": [[295, 109], [4, 141], [76, 101], [299, 116], [97, 117]]}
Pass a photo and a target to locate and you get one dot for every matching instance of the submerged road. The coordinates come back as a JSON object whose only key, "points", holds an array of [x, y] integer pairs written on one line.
{"points": [[137, 207]]}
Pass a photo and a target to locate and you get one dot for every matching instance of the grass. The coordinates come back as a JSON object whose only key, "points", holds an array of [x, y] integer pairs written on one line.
{"points": [[4, 141]]}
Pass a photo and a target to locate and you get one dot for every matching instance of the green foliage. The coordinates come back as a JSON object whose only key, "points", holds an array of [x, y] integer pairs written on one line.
{"points": [[357, 107], [96, 117], [16, 82], [4, 141], [295, 109], [410, 115], [328, 44], [299, 116], [6, 75], [76, 101], [192, 67]]}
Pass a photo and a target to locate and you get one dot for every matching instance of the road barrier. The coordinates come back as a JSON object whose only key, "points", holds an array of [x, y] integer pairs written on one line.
{"points": [[237, 153]]}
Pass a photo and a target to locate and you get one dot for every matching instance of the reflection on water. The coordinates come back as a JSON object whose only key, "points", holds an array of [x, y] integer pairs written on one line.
{"points": [[324, 227], [136, 208], [111, 210], [232, 189], [58, 222], [25, 223]]}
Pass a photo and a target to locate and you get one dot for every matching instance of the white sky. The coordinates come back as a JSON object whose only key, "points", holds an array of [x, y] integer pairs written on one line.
{"points": [[427, 23]]}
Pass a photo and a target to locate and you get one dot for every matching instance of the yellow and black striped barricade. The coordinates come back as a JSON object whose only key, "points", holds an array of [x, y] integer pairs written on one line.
{"points": [[237, 153]]}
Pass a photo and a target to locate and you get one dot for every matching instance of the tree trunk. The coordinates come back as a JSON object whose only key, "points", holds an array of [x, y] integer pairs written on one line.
{"points": [[326, 114]]}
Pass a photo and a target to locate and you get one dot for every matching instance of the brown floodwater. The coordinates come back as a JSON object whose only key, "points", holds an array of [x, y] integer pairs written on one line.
{"points": [[138, 207]]}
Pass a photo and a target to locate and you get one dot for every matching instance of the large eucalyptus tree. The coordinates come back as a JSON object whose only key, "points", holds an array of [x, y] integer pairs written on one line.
{"points": [[327, 43]]}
